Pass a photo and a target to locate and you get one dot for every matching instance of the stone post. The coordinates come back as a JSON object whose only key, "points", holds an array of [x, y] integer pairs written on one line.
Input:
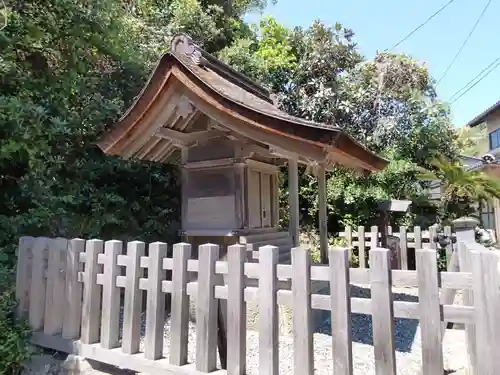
{"points": [[464, 228]]}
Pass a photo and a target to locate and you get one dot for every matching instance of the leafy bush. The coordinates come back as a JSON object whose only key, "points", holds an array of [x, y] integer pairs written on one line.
{"points": [[310, 239], [14, 334]]}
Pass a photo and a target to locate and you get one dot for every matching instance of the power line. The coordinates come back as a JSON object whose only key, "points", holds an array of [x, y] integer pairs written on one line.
{"points": [[423, 24], [480, 79], [465, 42], [473, 79]]}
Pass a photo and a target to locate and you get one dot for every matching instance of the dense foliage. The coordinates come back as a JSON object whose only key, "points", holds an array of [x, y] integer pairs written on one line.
{"points": [[388, 103], [13, 333], [68, 68]]}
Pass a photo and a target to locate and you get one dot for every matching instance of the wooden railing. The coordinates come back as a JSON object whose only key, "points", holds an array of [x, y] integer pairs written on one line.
{"points": [[361, 240], [73, 304]]}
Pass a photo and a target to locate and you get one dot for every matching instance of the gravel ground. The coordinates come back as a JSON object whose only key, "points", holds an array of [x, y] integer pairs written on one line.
{"points": [[408, 348]]}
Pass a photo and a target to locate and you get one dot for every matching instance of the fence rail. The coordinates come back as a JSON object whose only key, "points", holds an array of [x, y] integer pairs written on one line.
{"points": [[361, 240], [70, 292]]}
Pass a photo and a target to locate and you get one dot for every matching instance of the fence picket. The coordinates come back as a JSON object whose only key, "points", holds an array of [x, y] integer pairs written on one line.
{"points": [[449, 248], [110, 318], [340, 307], [382, 312], [77, 301], [417, 232], [465, 260], [91, 306], [403, 245], [268, 311], [23, 253], [206, 309], [155, 304], [73, 291], [303, 350], [430, 311], [374, 237], [361, 247], [432, 235], [133, 298], [236, 311], [348, 239], [50, 324], [180, 305], [486, 279], [38, 284], [54, 297]]}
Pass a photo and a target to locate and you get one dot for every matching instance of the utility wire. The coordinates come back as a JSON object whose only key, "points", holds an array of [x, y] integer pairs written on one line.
{"points": [[473, 79], [497, 64], [424, 23], [465, 42]]}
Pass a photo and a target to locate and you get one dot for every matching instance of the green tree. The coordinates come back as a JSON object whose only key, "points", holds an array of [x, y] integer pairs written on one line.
{"points": [[68, 68], [473, 141], [388, 103]]}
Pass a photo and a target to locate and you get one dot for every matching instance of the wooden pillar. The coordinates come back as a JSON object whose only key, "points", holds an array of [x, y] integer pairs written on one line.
{"points": [[293, 200], [322, 214]]}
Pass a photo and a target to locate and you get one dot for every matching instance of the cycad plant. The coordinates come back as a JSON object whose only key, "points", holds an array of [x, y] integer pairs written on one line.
{"points": [[460, 188]]}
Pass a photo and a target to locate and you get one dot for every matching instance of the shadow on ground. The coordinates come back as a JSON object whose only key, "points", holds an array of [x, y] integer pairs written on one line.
{"points": [[362, 326]]}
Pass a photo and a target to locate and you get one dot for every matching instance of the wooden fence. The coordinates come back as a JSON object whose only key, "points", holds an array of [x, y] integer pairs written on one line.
{"points": [[70, 292], [409, 240]]}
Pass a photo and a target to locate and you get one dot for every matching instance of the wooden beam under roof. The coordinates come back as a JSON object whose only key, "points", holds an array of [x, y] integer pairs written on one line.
{"points": [[185, 123], [187, 139]]}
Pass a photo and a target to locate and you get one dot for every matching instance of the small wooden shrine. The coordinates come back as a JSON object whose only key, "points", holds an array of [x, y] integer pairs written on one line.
{"points": [[229, 139]]}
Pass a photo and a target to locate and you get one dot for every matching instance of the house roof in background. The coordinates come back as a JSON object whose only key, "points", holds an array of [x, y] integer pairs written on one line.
{"points": [[468, 157], [482, 117]]}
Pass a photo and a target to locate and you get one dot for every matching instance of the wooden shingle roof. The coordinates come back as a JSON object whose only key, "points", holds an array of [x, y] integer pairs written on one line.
{"points": [[220, 93]]}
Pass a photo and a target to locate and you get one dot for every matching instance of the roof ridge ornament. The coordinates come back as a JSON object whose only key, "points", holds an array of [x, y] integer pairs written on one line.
{"points": [[184, 45]]}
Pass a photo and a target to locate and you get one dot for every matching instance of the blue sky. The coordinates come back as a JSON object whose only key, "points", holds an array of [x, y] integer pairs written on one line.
{"points": [[381, 24]]}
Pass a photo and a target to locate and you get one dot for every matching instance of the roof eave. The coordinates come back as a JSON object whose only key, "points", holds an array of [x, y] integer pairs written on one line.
{"points": [[337, 139], [479, 119]]}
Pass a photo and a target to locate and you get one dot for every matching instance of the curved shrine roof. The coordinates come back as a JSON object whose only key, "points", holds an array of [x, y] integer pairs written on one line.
{"points": [[231, 99]]}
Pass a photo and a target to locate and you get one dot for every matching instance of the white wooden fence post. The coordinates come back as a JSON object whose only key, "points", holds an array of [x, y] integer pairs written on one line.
{"points": [[236, 311], [155, 305], [180, 305], [340, 294], [206, 309], [91, 307], [449, 248], [361, 247], [303, 351], [110, 318], [74, 290], [465, 259], [133, 298], [417, 232], [374, 237], [403, 245], [54, 296], [38, 284], [382, 312], [348, 239], [486, 282], [430, 311], [268, 311], [23, 253]]}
